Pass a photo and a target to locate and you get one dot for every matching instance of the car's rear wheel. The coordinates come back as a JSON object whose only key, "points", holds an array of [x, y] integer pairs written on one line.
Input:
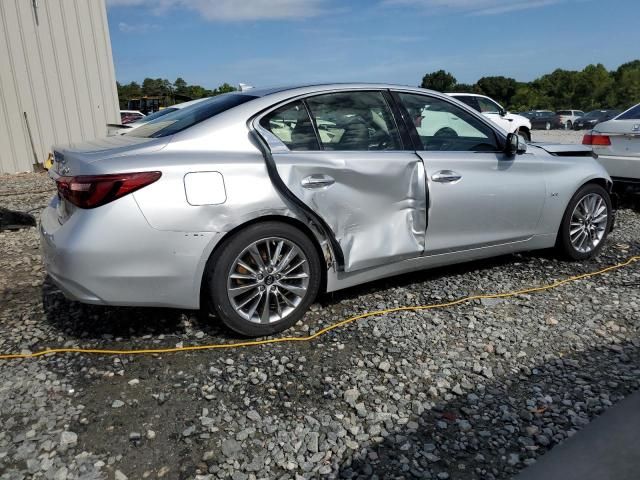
{"points": [[262, 279], [586, 223], [547, 126], [569, 125]]}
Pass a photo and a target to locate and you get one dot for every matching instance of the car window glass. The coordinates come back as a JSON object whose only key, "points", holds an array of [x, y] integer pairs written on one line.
{"points": [[354, 121], [444, 126], [631, 114], [184, 118], [488, 106], [292, 125], [471, 101]]}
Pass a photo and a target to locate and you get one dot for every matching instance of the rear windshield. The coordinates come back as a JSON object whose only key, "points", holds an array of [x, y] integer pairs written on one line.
{"points": [[184, 118], [631, 114], [153, 116]]}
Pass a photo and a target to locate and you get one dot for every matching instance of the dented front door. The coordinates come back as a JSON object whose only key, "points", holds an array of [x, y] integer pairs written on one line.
{"points": [[374, 202]]}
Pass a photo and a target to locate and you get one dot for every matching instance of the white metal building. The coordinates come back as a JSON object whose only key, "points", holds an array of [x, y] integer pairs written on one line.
{"points": [[57, 81]]}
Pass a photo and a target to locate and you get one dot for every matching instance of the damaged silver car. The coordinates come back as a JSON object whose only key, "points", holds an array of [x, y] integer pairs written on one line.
{"points": [[252, 203]]}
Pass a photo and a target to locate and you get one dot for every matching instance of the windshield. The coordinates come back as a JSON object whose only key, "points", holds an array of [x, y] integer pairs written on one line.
{"points": [[184, 118], [595, 114]]}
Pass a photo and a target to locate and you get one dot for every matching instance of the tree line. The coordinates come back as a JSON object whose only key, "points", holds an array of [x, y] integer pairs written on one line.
{"points": [[169, 93], [591, 88]]}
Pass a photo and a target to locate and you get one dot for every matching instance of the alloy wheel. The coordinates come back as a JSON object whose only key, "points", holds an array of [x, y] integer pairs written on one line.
{"points": [[268, 280], [588, 223]]}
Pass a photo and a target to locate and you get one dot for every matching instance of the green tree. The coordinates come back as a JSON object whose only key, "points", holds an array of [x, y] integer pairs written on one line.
{"points": [[440, 81], [499, 88], [627, 84], [180, 86]]}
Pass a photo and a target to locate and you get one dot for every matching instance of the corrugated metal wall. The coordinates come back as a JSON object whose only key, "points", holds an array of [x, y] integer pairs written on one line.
{"points": [[56, 65]]}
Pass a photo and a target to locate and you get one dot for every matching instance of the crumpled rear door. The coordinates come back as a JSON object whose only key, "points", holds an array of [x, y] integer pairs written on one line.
{"points": [[375, 203]]}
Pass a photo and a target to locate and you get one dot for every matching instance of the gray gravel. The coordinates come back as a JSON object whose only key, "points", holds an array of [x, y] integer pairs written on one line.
{"points": [[479, 390]]}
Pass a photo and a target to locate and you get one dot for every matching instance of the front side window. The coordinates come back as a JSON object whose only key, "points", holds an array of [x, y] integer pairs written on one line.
{"points": [[292, 125], [488, 106], [444, 126], [359, 121], [631, 114]]}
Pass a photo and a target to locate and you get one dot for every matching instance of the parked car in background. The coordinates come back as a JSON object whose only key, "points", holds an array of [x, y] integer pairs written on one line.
{"points": [[113, 129], [491, 109], [243, 204], [130, 116], [543, 119], [616, 145], [593, 118], [568, 117]]}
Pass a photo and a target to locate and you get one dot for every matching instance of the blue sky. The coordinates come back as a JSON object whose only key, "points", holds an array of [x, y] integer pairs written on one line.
{"points": [[279, 42]]}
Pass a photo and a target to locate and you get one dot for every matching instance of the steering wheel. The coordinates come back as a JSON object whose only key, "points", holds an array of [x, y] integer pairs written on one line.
{"points": [[446, 132]]}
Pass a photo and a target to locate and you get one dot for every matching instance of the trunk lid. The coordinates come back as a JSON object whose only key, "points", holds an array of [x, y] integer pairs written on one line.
{"points": [[624, 136], [81, 158]]}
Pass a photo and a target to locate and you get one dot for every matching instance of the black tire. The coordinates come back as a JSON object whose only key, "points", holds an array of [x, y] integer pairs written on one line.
{"points": [[569, 125], [563, 244], [525, 134], [220, 265]]}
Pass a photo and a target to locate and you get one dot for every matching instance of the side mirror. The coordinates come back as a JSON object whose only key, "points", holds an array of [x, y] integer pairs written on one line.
{"points": [[502, 112], [515, 145]]}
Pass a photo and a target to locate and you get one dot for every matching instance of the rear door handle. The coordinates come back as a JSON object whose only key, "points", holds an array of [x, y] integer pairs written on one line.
{"points": [[317, 180], [446, 176]]}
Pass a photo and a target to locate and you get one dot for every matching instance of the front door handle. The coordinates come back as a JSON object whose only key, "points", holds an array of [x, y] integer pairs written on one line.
{"points": [[317, 180], [446, 176]]}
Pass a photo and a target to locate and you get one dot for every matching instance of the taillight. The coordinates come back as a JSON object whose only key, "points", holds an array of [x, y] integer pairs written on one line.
{"points": [[91, 191], [601, 140]]}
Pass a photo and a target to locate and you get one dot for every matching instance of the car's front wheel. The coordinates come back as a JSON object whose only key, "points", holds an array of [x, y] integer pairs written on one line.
{"points": [[586, 223], [262, 279]]}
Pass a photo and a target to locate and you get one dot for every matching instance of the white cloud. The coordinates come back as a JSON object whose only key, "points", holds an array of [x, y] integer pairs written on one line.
{"points": [[138, 28], [232, 10], [474, 7]]}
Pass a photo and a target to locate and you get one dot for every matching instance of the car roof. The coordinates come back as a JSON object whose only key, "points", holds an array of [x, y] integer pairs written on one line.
{"points": [[312, 87], [458, 94]]}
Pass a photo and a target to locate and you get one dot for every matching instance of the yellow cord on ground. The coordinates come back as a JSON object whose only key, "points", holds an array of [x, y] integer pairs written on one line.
{"points": [[323, 331]]}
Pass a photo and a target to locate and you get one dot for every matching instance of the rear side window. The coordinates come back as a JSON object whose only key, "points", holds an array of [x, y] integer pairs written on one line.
{"points": [[292, 125], [359, 121], [184, 118], [563, 112], [631, 114]]}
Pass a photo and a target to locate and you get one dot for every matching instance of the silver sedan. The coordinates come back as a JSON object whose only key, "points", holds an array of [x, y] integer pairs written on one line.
{"points": [[252, 203]]}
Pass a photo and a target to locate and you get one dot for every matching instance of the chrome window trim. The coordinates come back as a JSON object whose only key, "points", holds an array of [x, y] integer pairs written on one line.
{"points": [[278, 146]]}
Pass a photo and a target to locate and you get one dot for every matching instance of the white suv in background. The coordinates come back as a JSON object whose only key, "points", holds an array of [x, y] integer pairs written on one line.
{"points": [[568, 117], [491, 109]]}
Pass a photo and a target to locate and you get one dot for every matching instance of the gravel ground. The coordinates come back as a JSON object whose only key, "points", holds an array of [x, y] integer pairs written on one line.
{"points": [[475, 391], [558, 136]]}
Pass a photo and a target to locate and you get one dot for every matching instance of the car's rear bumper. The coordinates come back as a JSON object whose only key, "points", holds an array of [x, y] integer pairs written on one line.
{"points": [[623, 168], [111, 256]]}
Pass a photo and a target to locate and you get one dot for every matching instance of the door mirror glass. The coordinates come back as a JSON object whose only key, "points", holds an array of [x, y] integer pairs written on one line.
{"points": [[515, 144]]}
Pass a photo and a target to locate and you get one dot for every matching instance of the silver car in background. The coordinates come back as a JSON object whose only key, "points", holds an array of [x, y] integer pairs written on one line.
{"points": [[252, 203], [616, 145]]}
